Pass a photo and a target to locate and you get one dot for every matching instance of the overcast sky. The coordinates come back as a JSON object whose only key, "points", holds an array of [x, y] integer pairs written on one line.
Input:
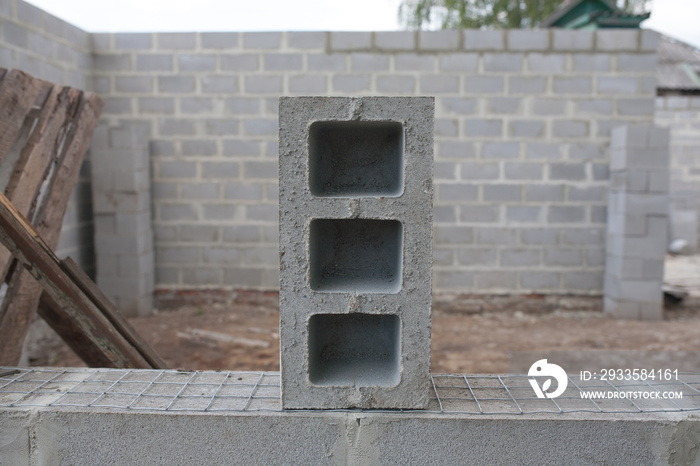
{"points": [[677, 18]]}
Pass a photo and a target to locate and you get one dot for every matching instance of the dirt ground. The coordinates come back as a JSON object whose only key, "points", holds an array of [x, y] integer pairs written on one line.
{"points": [[464, 339]]}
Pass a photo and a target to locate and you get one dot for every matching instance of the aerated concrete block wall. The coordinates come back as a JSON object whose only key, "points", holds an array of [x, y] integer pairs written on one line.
{"points": [[681, 114], [637, 228], [46, 47], [522, 134], [122, 208], [355, 246]]}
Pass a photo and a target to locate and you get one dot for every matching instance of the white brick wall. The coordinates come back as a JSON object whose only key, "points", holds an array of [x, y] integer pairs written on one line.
{"points": [[46, 47], [522, 134]]}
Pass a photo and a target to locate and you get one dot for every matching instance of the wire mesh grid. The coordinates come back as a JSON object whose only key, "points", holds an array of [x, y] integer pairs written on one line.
{"points": [[210, 391]]}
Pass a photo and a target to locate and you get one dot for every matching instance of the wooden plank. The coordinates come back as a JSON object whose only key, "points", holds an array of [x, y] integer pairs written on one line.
{"points": [[36, 157], [22, 299], [18, 91], [91, 290], [81, 344], [18, 235]]}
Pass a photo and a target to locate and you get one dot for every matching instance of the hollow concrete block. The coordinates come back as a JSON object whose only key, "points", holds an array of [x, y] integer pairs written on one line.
{"points": [[355, 251]]}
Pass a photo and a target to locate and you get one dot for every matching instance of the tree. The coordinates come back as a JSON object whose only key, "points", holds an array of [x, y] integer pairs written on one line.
{"points": [[457, 14]]}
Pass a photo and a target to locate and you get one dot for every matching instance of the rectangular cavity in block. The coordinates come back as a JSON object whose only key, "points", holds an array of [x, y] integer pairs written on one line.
{"points": [[356, 158], [359, 350], [356, 255]]}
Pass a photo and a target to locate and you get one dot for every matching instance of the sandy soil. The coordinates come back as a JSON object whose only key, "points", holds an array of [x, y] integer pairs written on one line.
{"points": [[245, 336]]}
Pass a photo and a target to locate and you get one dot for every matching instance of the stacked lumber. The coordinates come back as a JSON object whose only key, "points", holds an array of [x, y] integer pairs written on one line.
{"points": [[45, 132]]}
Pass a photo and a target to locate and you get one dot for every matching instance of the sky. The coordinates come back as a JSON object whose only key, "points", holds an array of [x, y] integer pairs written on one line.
{"points": [[676, 18]]}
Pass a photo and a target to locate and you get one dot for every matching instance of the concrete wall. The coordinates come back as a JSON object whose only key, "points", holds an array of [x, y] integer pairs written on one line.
{"points": [[681, 114], [522, 136], [49, 48]]}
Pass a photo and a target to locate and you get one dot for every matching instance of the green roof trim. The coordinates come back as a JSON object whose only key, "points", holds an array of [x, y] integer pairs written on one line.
{"points": [[592, 14]]}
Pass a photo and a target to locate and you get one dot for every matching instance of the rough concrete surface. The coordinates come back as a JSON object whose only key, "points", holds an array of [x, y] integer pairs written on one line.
{"points": [[355, 239], [100, 436]]}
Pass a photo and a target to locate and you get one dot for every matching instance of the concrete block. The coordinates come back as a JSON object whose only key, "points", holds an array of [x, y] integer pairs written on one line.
{"points": [[503, 105], [196, 63], [496, 280], [220, 127], [240, 62], [549, 107], [540, 281], [198, 147], [262, 40], [479, 171], [394, 84], [478, 40], [566, 214], [243, 192], [503, 62], [242, 106], [438, 41], [112, 62], [617, 85], [570, 129], [308, 84], [543, 150], [371, 62], [523, 171], [263, 84], [635, 107], [544, 193], [494, 235], [518, 257], [479, 214], [439, 84], [502, 192], [459, 105], [326, 62], [444, 214], [573, 85], [524, 214], [347, 41], [415, 62], [627, 62], [546, 62], [453, 235], [563, 257], [454, 280], [457, 193], [175, 169], [194, 105], [362, 338], [567, 171], [392, 41], [495, 150], [351, 83], [584, 62], [176, 40], [527, 39], [595, 106], [176, 84], [530, 129], [459, 62], [478, 85], [154, 62], [526, 85], [613, 40], [587, 193], [238, 148], [572, 40], [161, 105], [446, 127], [477, 256], [457, 149], [220, 40], [282, 62]]}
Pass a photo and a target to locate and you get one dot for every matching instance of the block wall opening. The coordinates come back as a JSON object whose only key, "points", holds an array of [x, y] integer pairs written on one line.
{"points": [[354, 349], [356, 255], [356, 158]]}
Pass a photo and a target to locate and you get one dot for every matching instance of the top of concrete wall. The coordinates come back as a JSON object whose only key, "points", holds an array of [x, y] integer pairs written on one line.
{"points": [[516, 40]]}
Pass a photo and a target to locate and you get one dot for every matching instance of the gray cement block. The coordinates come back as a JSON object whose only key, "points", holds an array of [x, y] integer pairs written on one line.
{"points": [[353, 242]]}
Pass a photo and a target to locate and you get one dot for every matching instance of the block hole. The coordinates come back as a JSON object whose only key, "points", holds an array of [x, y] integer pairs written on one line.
{"points": [[356, 255], [359, 350], [356, 158]]}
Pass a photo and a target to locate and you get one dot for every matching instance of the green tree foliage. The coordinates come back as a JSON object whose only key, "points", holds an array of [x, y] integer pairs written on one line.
{"points": [[457, 14]]}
